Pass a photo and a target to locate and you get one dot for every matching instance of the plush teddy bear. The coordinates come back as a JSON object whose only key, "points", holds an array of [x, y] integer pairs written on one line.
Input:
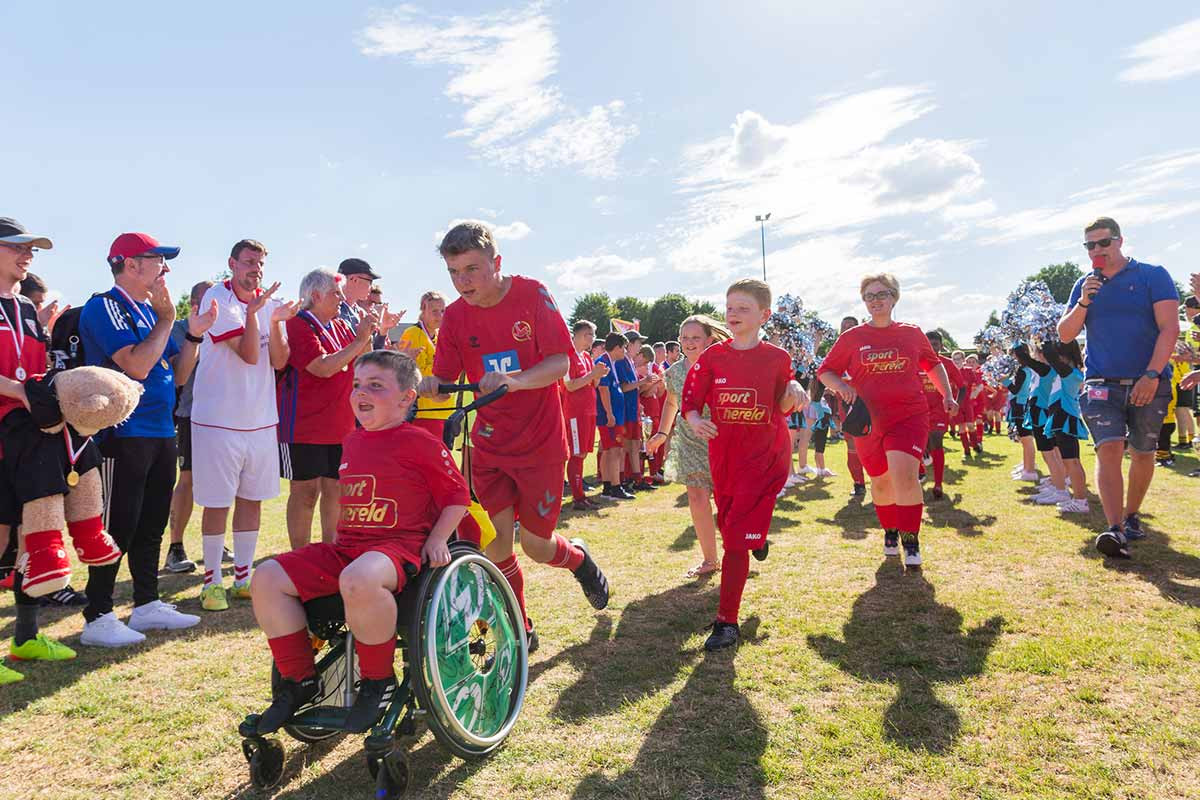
{"points": [[72, 405]]}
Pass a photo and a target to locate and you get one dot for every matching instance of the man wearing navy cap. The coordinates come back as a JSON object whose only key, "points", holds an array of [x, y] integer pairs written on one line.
{"points": [[128, 328], [359, 277]]}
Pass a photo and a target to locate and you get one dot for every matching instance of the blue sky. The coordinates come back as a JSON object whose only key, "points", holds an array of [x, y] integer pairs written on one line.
{"points": [[617, 146]]}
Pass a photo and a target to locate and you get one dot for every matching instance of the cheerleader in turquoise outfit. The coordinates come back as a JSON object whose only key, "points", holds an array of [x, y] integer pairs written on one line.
{"points": [[1019, 385], [1037, 412], [1065, 422]]}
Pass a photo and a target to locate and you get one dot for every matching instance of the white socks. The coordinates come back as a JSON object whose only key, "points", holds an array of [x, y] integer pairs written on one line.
{"points": [[244, 544], [213, 545]]}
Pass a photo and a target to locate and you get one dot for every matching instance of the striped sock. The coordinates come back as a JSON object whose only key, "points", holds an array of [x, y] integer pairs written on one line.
{"points": [[244, 543]]}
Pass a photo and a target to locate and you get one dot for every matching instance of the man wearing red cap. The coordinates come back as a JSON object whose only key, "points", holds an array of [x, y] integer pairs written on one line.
{"points": [[128, 328]]}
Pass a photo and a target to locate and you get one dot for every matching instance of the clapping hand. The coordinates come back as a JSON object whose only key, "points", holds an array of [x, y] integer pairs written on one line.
{"points": [[259, 300], [49, 314], [388, 320], [198, 324]]}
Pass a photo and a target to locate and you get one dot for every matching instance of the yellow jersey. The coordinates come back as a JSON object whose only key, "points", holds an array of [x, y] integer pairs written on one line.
{"points": [[417, 337]]}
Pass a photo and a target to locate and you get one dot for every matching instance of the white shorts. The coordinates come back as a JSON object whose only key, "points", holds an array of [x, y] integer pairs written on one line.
{"points": [[227, 464]]}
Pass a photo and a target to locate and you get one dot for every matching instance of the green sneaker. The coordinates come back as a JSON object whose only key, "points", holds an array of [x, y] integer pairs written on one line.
{"points": [[240, 590], [212, 598], [40, 648], [9, 675]]}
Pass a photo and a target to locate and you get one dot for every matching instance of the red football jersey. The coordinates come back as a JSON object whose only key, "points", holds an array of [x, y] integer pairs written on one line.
{"points": [[395, 484], [937, 409], [885, 365], [315, 410], [581, 403], [31, 339], [522, 330], [652, 402], [742, 389]]}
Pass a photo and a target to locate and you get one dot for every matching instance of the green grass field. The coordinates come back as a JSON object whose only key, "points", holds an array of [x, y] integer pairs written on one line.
{"points": [[1017, 664]]}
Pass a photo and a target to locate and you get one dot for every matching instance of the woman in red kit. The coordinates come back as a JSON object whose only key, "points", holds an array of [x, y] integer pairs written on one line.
{"points": [[885, 360]]}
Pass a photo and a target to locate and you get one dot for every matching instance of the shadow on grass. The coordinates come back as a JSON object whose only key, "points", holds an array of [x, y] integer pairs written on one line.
{"points": [[947, 513], [685, 541], [1176, 575], [898, 633], [853, 520], [685, 754]]}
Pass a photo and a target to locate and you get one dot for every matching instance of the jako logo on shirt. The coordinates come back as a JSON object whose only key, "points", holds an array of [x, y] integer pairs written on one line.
{"points": [[739, 407], [361, 508], [884, 362], [504, 361], [522, 331]]}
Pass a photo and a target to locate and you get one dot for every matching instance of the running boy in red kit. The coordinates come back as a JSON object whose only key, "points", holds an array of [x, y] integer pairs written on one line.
{"points": [[506, 330], [402, 496], [579, 409], [747, 384], [939, 420]]}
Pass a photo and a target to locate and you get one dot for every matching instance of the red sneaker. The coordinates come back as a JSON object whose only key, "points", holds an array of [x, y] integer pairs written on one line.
{"points": [[44, 565], [93, 544], [6, 583]]}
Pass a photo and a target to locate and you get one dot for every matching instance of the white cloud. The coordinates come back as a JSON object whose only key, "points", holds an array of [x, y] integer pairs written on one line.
{"points": [[597, 272], [512, 232], [605, 204], [1174, 53], [501, 66]]}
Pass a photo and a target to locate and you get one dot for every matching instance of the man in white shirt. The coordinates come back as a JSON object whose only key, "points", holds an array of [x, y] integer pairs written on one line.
{"points": [[234, 417]]}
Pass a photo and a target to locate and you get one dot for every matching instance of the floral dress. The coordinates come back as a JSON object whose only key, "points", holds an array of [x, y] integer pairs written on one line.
{"points": [[689, 453]]}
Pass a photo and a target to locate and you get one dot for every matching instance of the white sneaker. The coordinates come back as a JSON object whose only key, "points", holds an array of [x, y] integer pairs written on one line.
{"points": [[927, 460], [826, 473], [1074, 506], [1051, 497], [1028, 476], [108, 631], [158, 615], [794, 480], [806, 471], [1046, 481]]}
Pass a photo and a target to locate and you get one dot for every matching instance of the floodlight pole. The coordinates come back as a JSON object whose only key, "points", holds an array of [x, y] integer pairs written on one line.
{"points": [[761, 219]]}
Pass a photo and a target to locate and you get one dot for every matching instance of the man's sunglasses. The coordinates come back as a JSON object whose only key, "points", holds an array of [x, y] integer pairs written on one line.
{"points": [[1101, 243], [21, 248]]}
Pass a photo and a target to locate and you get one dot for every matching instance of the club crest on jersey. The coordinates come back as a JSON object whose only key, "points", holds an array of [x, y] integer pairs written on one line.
{"points": [[361, 508], [887, 361], [522, 331], [739, 407]]}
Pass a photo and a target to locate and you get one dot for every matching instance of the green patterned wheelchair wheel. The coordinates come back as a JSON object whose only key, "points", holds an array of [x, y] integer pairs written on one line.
{"points": [[469, 654]]}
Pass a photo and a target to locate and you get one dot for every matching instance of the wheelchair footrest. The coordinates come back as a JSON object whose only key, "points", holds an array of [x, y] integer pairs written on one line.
{"points": [[328, 717], [249, 726]]}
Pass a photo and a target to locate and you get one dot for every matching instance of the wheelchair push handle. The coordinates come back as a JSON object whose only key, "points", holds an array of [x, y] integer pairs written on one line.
{"points": [[479, 402]]}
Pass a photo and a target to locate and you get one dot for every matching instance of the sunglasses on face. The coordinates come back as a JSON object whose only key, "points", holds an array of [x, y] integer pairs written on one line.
{"points": [[1101, 243], [21, 248]]}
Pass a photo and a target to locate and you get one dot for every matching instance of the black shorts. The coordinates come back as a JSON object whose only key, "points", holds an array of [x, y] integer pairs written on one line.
{"points": [[35, 464], [1186, 398], [183, 441], [304, 462], [1068, 446], [1044, 443]]}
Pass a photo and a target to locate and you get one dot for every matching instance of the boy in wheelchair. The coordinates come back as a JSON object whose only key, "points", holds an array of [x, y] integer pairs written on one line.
{"points": [[402, 497]]}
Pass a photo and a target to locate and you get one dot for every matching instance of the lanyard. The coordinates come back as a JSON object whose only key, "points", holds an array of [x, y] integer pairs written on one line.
{"points": [[136, 307], [17, 332], [335, 344]]}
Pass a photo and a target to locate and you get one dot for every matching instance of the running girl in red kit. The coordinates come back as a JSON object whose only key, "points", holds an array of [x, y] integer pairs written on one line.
{"points": [[885, 360], [747, 384], [939, 420], [402, 497], [505, 330]]}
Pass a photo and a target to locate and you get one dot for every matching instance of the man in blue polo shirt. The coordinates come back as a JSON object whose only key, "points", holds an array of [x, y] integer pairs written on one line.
{"points": [[128, 328], [1130, 311]]}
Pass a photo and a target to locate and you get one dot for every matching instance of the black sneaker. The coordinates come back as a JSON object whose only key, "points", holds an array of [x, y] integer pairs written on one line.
{"points": [[724, 634], [912, 550], [936, 493], [761, 553], [617, 492], [177, 560], [1169, 461], [65, 598], [628, 487], [1112, 543], [588, 483], [645, 486], [860, 490], [1182, 446], [591, 579], [1194, 473], [374, 696], [226, 555], [979, 449], [288, 697], [1133, 528], [891, 543], [531, 638]]}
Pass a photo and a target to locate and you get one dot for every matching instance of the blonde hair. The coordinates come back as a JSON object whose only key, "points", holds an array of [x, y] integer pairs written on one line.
{"points": [[886, 278], [713, 329], [760, 291]]}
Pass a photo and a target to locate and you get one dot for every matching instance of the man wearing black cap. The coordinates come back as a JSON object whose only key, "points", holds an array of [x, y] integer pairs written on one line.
{"points": [[359, 277], [129, 328]]}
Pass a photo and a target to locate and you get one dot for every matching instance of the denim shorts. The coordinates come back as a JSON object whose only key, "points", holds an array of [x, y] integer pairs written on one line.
{"points": [[1110, 416]]}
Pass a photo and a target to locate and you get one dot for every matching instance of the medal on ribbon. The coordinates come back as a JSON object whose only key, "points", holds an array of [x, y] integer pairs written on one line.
{"points": [[73, 455]]}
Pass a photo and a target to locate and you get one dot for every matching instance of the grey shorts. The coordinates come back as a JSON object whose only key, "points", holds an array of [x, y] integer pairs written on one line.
{"points": [[1110, 416]]}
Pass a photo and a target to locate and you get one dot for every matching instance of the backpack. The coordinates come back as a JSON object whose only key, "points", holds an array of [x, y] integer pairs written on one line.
{"points": [[66, 342]]}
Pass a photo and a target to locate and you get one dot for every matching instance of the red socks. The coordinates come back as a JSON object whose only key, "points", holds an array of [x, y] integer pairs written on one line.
{"points": [[375, 660], [855, 468], [735, 567], [939, 466], [978, 433], [516, 579], [565, 554], [965, 438], [294, 655], [886, 516], [907, 518], [575, 476]]}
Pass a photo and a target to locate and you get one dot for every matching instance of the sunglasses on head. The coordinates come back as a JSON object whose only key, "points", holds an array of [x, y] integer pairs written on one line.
{"points": [[1101, 243]]}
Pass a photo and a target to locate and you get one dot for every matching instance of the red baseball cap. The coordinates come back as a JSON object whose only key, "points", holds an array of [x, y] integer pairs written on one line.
{"points": [[128, 245]]}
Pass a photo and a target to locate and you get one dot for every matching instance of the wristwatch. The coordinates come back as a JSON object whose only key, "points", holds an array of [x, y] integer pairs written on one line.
{"points": [[1153, 374]]}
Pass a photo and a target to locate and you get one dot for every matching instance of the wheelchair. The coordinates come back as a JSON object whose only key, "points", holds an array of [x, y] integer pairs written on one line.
{"points": [[461, 637]]}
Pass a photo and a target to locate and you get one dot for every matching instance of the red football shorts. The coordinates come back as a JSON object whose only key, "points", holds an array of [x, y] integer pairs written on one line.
{"points": [[534, 492], [905, 436], [581, 435], [611, 437], [633, 431], [745, 518], [434, 426], [314, 568], [966, 412]]}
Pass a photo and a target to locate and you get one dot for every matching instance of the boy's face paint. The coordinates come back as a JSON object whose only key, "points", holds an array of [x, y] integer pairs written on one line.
{"points": [[377, 400]]}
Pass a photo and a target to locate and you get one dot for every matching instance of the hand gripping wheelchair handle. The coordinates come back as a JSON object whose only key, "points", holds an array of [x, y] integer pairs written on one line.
{"points": [[454, 422]]}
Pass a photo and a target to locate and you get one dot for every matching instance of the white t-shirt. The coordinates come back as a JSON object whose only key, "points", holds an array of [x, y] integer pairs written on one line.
{"points": [[228, 392]]}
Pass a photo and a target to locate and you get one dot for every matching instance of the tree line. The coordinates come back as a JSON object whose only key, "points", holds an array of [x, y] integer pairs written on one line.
{"points": [[658, 320]]}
